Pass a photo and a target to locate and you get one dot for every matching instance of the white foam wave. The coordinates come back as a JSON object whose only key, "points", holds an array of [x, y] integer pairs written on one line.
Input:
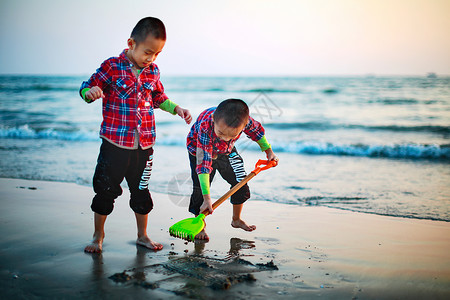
{"points": [[414, 151], [410, 151], [25, 132]]}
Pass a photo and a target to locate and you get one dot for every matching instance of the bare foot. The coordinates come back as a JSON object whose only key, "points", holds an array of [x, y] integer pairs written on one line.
{"points": [[148, 243], [241, 224], [202, 235], [96, 245]]}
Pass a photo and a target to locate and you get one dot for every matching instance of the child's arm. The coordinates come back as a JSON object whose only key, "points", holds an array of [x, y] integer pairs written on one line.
{"points": [[266, 147], [92, 94], [93, 89], [204, 164], [175, 109], [184, 114], [207, 204], [255, 131], [271, 156], [204, 185], [163, 102]]}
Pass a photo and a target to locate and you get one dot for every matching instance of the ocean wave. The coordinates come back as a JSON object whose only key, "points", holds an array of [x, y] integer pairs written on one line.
{"points": [[406, 151], [234, 90], [406, 101], [330, 91], [37, 88], [409, 151], [363, 205], [329, 126], [399, 101], [270, 90], [25, 132]]}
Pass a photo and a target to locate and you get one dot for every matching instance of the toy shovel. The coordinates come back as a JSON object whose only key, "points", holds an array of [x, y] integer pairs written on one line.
{"points": [[188, 228]]}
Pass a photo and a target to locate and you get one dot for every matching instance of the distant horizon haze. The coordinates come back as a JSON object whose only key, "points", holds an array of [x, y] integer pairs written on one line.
{"points": [[232, 38]]}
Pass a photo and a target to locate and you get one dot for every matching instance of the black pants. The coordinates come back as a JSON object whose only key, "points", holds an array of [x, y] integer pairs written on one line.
{"points": [[231, 168], [113, 165]]}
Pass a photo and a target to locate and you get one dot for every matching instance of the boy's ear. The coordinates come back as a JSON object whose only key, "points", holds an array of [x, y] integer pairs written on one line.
{"points": [[131, 43]]}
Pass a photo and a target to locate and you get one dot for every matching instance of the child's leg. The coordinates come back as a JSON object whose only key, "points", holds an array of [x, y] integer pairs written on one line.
{"points": [[109, 173], [99, 234], [237, 222], [231, 167], [141, 202], [143, 239]]}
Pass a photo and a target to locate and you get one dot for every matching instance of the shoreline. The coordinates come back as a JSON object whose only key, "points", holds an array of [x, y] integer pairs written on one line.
{"points": [[320, 252], [175, 195]]}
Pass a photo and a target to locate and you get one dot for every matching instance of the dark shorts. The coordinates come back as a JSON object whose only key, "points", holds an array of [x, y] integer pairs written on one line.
{"points": [[113, 165], [231, 168]]}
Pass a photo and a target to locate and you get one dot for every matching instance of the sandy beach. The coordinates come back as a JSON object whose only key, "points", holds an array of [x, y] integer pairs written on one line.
{"points": [[295, 252]]}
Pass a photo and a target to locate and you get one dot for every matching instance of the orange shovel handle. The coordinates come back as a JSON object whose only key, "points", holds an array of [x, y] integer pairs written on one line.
{"points": [[258, 168], [268, 165]]}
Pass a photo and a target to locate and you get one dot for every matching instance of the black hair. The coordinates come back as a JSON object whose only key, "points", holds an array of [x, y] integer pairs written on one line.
{"points": [[146, 26], [234, 112]]}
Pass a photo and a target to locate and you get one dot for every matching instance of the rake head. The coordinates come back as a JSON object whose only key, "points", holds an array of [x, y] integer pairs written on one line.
{"points": [[187, 229]]}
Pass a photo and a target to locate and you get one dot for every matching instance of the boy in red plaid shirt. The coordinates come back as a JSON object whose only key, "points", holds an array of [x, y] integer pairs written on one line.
{"points": [[210, 145], [131, 89]]}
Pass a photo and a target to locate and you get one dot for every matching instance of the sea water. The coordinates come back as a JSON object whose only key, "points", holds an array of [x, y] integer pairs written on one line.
{"points": [[370, 144]]}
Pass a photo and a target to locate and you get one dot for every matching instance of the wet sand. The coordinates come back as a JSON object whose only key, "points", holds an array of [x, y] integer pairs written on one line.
{"points": [[295, 252]]}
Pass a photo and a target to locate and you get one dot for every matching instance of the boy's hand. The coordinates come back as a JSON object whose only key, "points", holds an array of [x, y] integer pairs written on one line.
{"points": [[207, 204], [94, 93], [271, 156], [184, 114]]}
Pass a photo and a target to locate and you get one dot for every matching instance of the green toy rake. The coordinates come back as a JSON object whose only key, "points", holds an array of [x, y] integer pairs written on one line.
{"points": [[188, 228]]}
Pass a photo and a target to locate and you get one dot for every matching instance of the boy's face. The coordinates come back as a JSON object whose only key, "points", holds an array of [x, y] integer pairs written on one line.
{"points": [[226, 133], [144, 53]]}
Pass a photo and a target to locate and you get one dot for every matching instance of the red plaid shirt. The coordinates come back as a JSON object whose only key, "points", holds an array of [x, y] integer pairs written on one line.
{"points": [[129, 101], [204, 143]]}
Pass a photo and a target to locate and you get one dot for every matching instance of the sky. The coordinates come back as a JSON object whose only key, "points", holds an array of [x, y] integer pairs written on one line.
{"points": [[232, 38]]}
